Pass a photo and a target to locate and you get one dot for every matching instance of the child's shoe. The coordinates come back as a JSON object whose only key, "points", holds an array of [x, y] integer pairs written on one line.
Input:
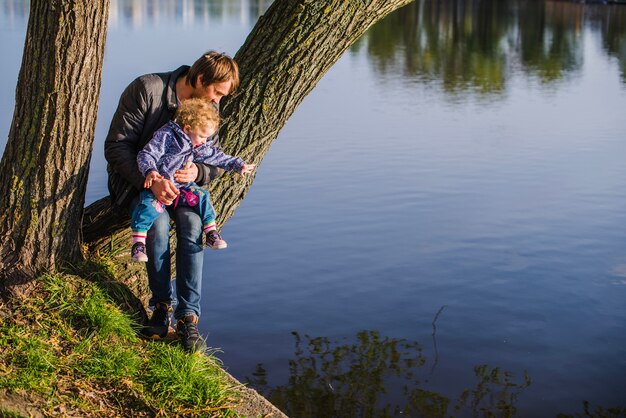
{"points": [[215, 241], [138, 252]]}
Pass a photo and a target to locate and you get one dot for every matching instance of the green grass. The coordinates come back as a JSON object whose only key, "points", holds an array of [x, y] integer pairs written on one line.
{"points": [[176, 378], [5, 413], [70, 343], [31, 365]]}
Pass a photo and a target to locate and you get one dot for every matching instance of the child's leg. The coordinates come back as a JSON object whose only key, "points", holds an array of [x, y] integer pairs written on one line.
{"points": [[207, 213], [205, 209], [144, 215]]}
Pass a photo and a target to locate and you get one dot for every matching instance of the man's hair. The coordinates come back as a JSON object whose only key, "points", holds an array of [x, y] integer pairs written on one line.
{"points": [[214, 67], [196, 113]]}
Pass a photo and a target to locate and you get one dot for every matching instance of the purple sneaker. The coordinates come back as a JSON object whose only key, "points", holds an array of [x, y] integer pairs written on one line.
{"points": [[215, 241], [138, 252]]}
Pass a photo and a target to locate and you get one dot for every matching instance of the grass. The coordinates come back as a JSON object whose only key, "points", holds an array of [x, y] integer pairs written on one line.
{"points": [[71, 344], [5, 413]]}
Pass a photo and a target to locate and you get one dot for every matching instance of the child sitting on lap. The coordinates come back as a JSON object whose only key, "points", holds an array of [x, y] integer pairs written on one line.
{"points": [[177, 142]]}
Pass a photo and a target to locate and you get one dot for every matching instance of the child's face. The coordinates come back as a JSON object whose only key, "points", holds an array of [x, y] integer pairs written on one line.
{"points": [[200, 135]]}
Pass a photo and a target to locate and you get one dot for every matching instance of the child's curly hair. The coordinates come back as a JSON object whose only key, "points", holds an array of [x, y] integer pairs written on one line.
{"points": [[196, 113]]}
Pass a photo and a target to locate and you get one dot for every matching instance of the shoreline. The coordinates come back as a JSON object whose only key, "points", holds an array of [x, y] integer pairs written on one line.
{"points": [[254, 405]]}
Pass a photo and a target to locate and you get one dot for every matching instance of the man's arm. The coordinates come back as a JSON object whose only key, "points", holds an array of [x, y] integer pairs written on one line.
{"points": [[202, 178], [149, 156], [122, 141]]}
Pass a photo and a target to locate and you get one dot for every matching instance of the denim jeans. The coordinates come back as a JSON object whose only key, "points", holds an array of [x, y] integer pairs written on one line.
{"points": [[189, 258]]}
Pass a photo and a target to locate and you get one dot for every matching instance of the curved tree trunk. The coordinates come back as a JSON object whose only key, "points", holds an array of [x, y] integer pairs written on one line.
{"points": [[286, 54], [43, 173]]}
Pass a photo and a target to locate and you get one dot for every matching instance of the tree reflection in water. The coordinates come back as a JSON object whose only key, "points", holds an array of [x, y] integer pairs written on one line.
{"points": [[379, 376], [478, 45]]}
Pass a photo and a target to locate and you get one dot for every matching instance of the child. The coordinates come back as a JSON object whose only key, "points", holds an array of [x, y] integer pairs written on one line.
{"points": [[177, 142]]}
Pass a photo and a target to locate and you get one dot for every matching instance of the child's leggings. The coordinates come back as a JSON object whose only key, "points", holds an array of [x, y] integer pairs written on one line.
{"points": [[149, 209]]}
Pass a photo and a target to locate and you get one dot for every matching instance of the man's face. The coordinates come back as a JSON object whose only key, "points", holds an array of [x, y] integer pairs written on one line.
{"points": [[213, 92]]}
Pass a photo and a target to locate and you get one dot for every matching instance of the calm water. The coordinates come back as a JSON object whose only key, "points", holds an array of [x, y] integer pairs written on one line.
{"points": [[438, 230]]}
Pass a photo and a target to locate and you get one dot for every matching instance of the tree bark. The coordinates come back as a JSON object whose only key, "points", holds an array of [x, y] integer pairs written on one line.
{"points": [[289, 50], [43, 173]]}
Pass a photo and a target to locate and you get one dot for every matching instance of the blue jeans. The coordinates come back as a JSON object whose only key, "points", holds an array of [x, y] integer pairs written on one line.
{"points": [[189, 258]]}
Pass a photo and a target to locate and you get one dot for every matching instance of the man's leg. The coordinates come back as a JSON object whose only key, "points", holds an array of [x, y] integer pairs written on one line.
{"points": [[159, 275], [158, 265], [189, 258]]}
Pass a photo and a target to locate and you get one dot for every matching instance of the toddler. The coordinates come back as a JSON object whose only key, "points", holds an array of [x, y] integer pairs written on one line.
{"points": [[171, 147]]}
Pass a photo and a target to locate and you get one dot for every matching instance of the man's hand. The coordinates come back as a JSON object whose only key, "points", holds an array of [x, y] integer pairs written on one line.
{"points": [[186, 174], [247, 169], [153, 175], [164, 190]]}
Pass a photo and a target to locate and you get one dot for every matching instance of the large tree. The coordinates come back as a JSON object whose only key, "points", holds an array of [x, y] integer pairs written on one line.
{"points": [[291, 47], [43, 173]]}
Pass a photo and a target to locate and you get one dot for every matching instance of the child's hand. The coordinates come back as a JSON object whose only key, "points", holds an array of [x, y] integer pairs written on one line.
{"points": [[247, 169], [153, 175]]}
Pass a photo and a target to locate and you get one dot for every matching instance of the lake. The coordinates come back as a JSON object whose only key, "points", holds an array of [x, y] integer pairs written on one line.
{"points": [[439, 230]]}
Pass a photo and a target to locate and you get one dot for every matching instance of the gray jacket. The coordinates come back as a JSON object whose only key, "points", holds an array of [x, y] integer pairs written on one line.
{"points": [[148, 103]]}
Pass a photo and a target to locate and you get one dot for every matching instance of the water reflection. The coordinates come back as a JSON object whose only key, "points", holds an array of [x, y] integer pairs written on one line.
{"points": [[378, 376], [464, 44], [381, 377], [137, 13], [479, 45]]}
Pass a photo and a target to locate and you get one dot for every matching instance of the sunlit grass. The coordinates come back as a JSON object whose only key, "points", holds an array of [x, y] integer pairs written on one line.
{"points": [[5, 413], [27, 361], [69, 343], [177, 378]]}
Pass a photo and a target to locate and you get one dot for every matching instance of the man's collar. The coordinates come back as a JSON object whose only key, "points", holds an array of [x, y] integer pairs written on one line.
{"points": [[172, 98]]}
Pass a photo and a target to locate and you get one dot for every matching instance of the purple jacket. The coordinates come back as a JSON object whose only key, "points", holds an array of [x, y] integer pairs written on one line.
{"points": [[170, 148]]}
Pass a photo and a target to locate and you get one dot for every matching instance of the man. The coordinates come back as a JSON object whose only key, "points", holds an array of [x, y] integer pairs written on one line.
{"points": [[145, 105]]}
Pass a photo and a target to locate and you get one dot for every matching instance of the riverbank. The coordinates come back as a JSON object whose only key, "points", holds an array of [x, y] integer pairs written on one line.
{"points": [[71, 349]]}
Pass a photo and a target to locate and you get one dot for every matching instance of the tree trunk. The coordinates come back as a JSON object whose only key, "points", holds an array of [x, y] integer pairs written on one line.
{"points": [[286, 54], [43, 173]]}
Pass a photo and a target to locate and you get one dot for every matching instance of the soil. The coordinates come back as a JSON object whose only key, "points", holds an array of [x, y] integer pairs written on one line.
{"points": [[252, 405]]}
